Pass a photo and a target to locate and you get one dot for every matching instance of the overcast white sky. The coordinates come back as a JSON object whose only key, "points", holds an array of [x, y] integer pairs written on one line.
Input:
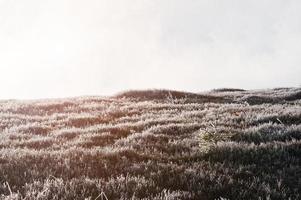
{"points": [[59, 48]]}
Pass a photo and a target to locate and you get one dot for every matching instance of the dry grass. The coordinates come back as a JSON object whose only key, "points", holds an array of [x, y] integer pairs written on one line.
{"points": [[224, 144]]}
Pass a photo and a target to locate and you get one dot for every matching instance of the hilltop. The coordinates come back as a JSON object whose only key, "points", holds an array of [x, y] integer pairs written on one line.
{"points": [[154, 144]]}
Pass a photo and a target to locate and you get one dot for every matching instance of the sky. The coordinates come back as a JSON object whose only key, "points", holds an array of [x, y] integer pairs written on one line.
{"points": [[64, 48]]}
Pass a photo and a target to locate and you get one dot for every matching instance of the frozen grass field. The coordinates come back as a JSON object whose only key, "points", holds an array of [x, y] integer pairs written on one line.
{"points": [[223, 144]]}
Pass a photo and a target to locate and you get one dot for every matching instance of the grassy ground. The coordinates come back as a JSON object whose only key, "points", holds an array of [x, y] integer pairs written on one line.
{"points": [[223, 144]]}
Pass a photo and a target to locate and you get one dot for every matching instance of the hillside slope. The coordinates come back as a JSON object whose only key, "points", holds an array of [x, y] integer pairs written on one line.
{"points": [[223, 144]]}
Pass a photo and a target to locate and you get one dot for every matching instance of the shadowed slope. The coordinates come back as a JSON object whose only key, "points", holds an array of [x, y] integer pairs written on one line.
{"points": [[169, 95]]}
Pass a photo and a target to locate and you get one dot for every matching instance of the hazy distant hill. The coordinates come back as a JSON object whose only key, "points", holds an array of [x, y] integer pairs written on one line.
{"points": [[158, 144]]}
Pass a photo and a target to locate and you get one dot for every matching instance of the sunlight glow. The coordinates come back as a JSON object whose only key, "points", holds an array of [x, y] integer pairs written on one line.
{"points": [[63, 48]]}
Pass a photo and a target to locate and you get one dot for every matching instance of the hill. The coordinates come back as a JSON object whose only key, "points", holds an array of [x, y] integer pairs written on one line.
{"points": [[156, 144]]}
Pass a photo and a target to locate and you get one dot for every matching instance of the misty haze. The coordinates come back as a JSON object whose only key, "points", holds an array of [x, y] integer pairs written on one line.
{"points": [[150, 99]]}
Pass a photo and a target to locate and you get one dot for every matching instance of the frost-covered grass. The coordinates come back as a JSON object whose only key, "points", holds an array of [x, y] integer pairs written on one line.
{"points": [[223, 144]]}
